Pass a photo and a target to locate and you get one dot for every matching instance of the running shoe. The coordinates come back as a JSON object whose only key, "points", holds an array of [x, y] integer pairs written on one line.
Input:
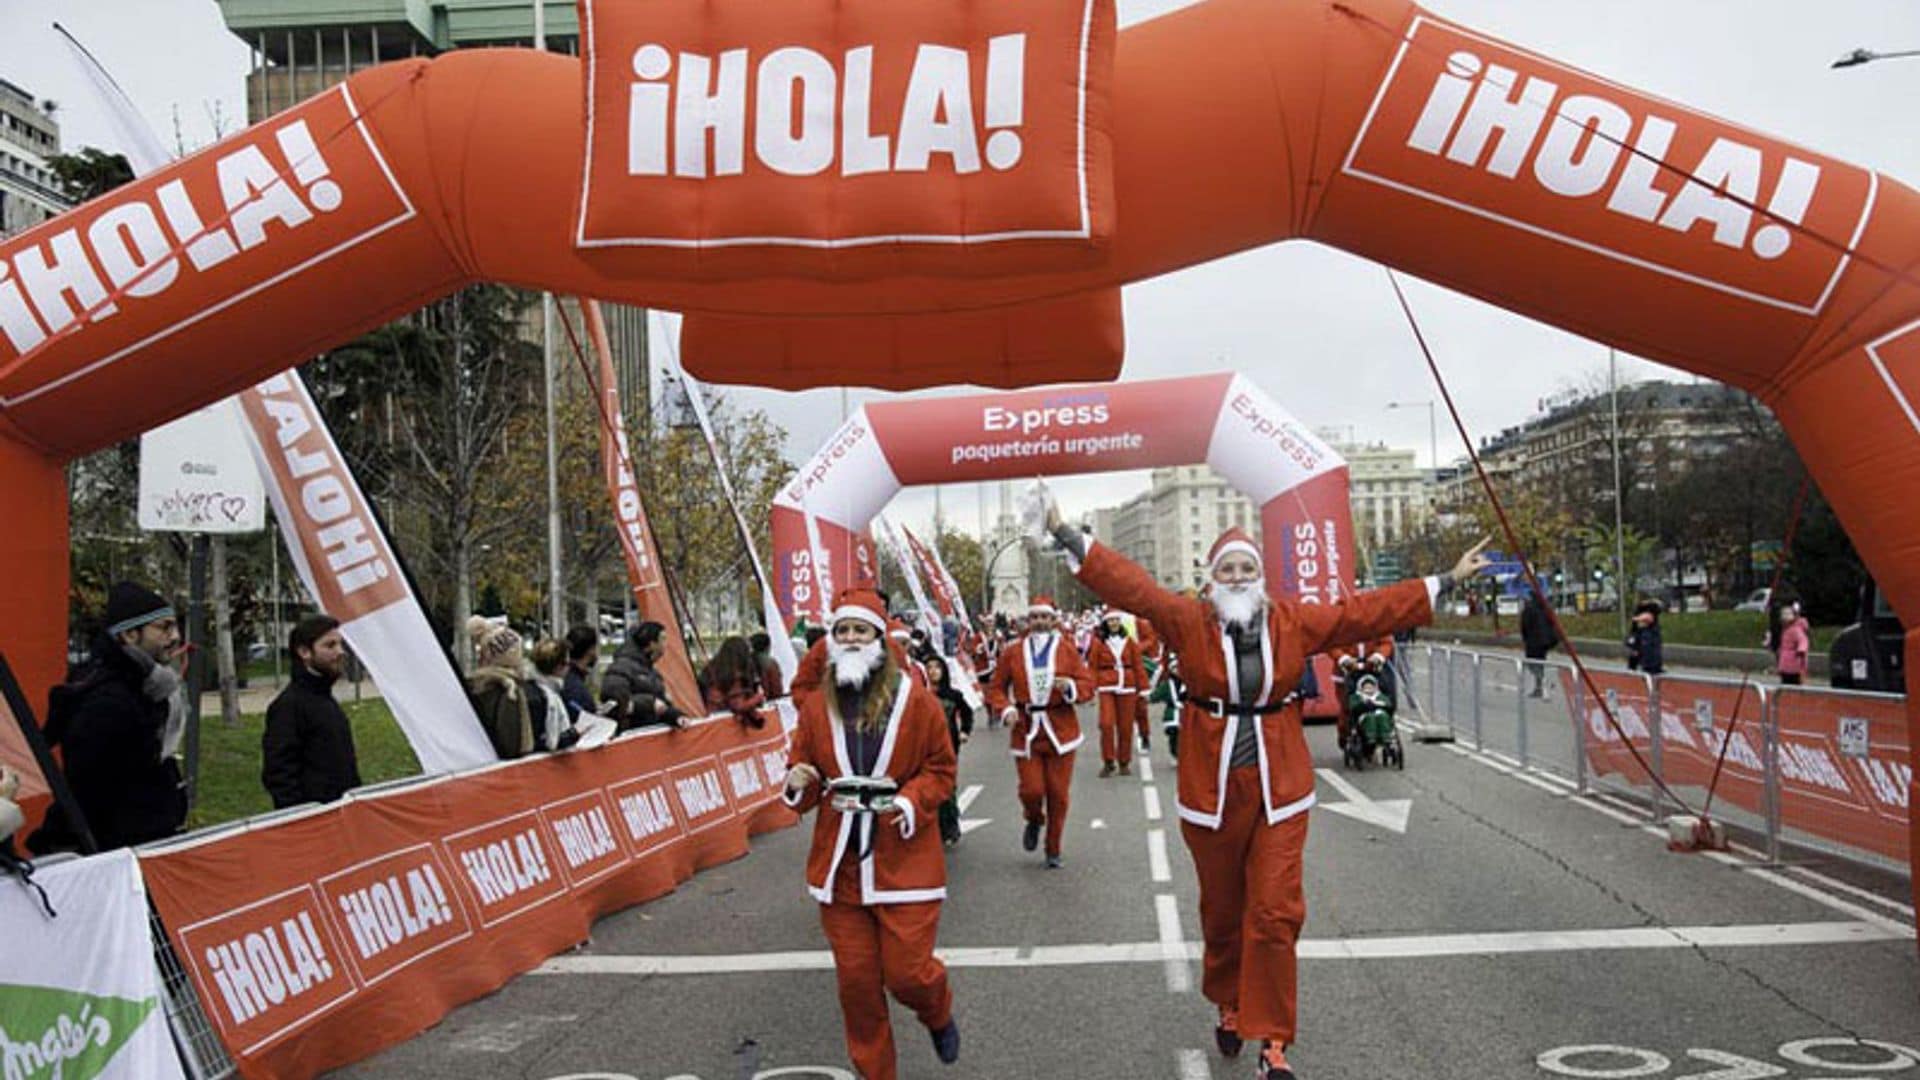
{"points": [[1031, 838], [1226, 1033], [946, 1043], [1273, 1064]]}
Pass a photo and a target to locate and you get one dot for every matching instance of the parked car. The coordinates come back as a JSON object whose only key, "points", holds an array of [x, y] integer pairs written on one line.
{"points": [[1755, 601], [1866, 655]]}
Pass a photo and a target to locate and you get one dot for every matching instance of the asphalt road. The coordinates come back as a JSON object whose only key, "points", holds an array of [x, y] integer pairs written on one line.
{"points": [[1512, 930]]}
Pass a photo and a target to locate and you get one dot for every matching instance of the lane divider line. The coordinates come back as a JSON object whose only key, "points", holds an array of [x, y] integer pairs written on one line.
{"points": [[1173, 948], [1158, 867], [1194, 1066], [1152, 796]]}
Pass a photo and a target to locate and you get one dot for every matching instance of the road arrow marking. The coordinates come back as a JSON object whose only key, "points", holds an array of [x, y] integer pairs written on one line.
{"points": [[967, 824], [1386, 813]]}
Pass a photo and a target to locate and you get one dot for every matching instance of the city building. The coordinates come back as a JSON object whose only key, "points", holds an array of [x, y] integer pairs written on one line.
{"points": [[1168, 528], [1006, 552], [302, 47], [29, 135], [1392, 496]]}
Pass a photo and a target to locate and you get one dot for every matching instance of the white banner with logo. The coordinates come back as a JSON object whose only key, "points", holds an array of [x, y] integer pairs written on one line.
{"points": [[197, 476], [353, 575], [323, 515], [79, 994]]}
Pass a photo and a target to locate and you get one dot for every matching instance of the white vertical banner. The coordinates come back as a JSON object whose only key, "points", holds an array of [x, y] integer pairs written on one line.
{"points": [[782, 646], [80, 994], [349, 569], [325, 520]]}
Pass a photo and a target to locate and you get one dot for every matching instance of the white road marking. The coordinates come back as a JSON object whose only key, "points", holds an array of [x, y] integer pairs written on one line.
{"points": [[1386, 813], [1193, 1065], [1146, 770], [1854, 891], [1097, 823], [1152, 796], [967, 824], [1896, 927], [508, 1036], [1174, 950], [1157, 855], [1176, 953], [1824, 899]]}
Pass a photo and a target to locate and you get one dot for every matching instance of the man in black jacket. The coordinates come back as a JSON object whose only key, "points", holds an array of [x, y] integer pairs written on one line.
{"points": [[119, 723], [307, 753], [635, 686], [1537, 638], [583, 655]]}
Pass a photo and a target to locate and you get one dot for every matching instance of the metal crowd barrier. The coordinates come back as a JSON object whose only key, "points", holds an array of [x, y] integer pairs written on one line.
{"points": [[1488, 701]]}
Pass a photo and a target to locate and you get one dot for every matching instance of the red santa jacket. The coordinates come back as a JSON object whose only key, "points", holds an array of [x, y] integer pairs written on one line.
{"points": [[1116, 670], [907, 864], [1291, 633], [1011, 688], [811, 672]]}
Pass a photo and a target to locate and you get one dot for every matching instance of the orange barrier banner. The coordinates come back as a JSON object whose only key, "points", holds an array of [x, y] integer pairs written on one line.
{"points": [[306, 937], [1843, 761]]}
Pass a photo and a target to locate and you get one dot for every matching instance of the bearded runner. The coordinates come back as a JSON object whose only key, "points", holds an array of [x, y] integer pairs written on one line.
{"points": [[1245, 773], [1036, 682], [871, 755]]}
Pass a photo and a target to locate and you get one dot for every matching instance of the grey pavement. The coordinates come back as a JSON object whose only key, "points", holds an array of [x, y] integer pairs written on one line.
{"points": [[1512, 931]]}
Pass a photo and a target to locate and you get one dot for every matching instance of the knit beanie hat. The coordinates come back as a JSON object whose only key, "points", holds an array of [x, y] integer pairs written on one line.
{"points": [[494, 644], [131, 606]]}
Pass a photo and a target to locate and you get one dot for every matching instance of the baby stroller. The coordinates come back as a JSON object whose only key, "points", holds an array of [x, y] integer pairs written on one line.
{"points": [[1371, 731]]}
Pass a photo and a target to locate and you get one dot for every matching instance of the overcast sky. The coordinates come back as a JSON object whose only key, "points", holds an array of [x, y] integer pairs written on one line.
{"points": [[1285, 315]]}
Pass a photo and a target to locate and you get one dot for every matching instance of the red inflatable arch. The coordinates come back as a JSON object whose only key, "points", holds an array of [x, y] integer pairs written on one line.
{"points": [[909, 194], [1299, 483]]}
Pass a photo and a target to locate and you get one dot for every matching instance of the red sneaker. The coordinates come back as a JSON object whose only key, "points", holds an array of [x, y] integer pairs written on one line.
{"points": [[1226, 1033]]}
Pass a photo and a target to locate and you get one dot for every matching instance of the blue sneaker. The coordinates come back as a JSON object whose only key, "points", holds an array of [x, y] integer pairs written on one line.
{"points": [[946, 1043], [1031, 838]]}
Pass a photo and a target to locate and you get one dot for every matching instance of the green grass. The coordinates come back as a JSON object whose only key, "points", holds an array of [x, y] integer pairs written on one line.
{"points": [[230, 760], [1724, 629]]}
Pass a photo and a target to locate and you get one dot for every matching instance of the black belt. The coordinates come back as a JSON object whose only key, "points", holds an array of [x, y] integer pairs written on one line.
{"points": [[1036, 710], [1222, 709]]}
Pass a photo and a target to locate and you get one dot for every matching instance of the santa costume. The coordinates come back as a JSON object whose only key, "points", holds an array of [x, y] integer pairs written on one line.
{"points": [[1036, 682], [1119, 681], [878, 875], [1245, 775]]}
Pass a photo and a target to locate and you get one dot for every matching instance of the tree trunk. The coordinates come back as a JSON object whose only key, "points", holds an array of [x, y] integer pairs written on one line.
{"points": [[590, 587], [462, 601], [223, 634]]}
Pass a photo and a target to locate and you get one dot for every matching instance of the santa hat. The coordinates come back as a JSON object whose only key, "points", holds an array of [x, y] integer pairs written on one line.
{"points": [[1114, 613], [1042, 605], [1234, 539], [897, 629], [861, 605]]}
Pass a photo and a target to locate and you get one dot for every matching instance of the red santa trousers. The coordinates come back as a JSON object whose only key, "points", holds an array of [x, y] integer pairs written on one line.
{"points": [[1251, 908], [1116, 727], [1045, 779], [880, 949]]}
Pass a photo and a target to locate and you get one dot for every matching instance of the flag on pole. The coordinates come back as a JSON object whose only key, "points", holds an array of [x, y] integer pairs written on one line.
{"points": [[637, 545], [782, 651]]}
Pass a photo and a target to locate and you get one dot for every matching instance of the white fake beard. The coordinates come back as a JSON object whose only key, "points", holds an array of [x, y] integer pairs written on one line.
{"points": [[853, 665], [1239, 605]]}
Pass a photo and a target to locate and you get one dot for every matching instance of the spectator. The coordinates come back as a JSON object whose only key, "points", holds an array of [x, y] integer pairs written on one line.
{"points": [[1795, 643], [770, 679], [548, 710], [583, 656], [306, 753], [495, 689], [959, 730], [1537, 639], [731, 681], [633, 686], [119, 722], [1643, 641]]}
